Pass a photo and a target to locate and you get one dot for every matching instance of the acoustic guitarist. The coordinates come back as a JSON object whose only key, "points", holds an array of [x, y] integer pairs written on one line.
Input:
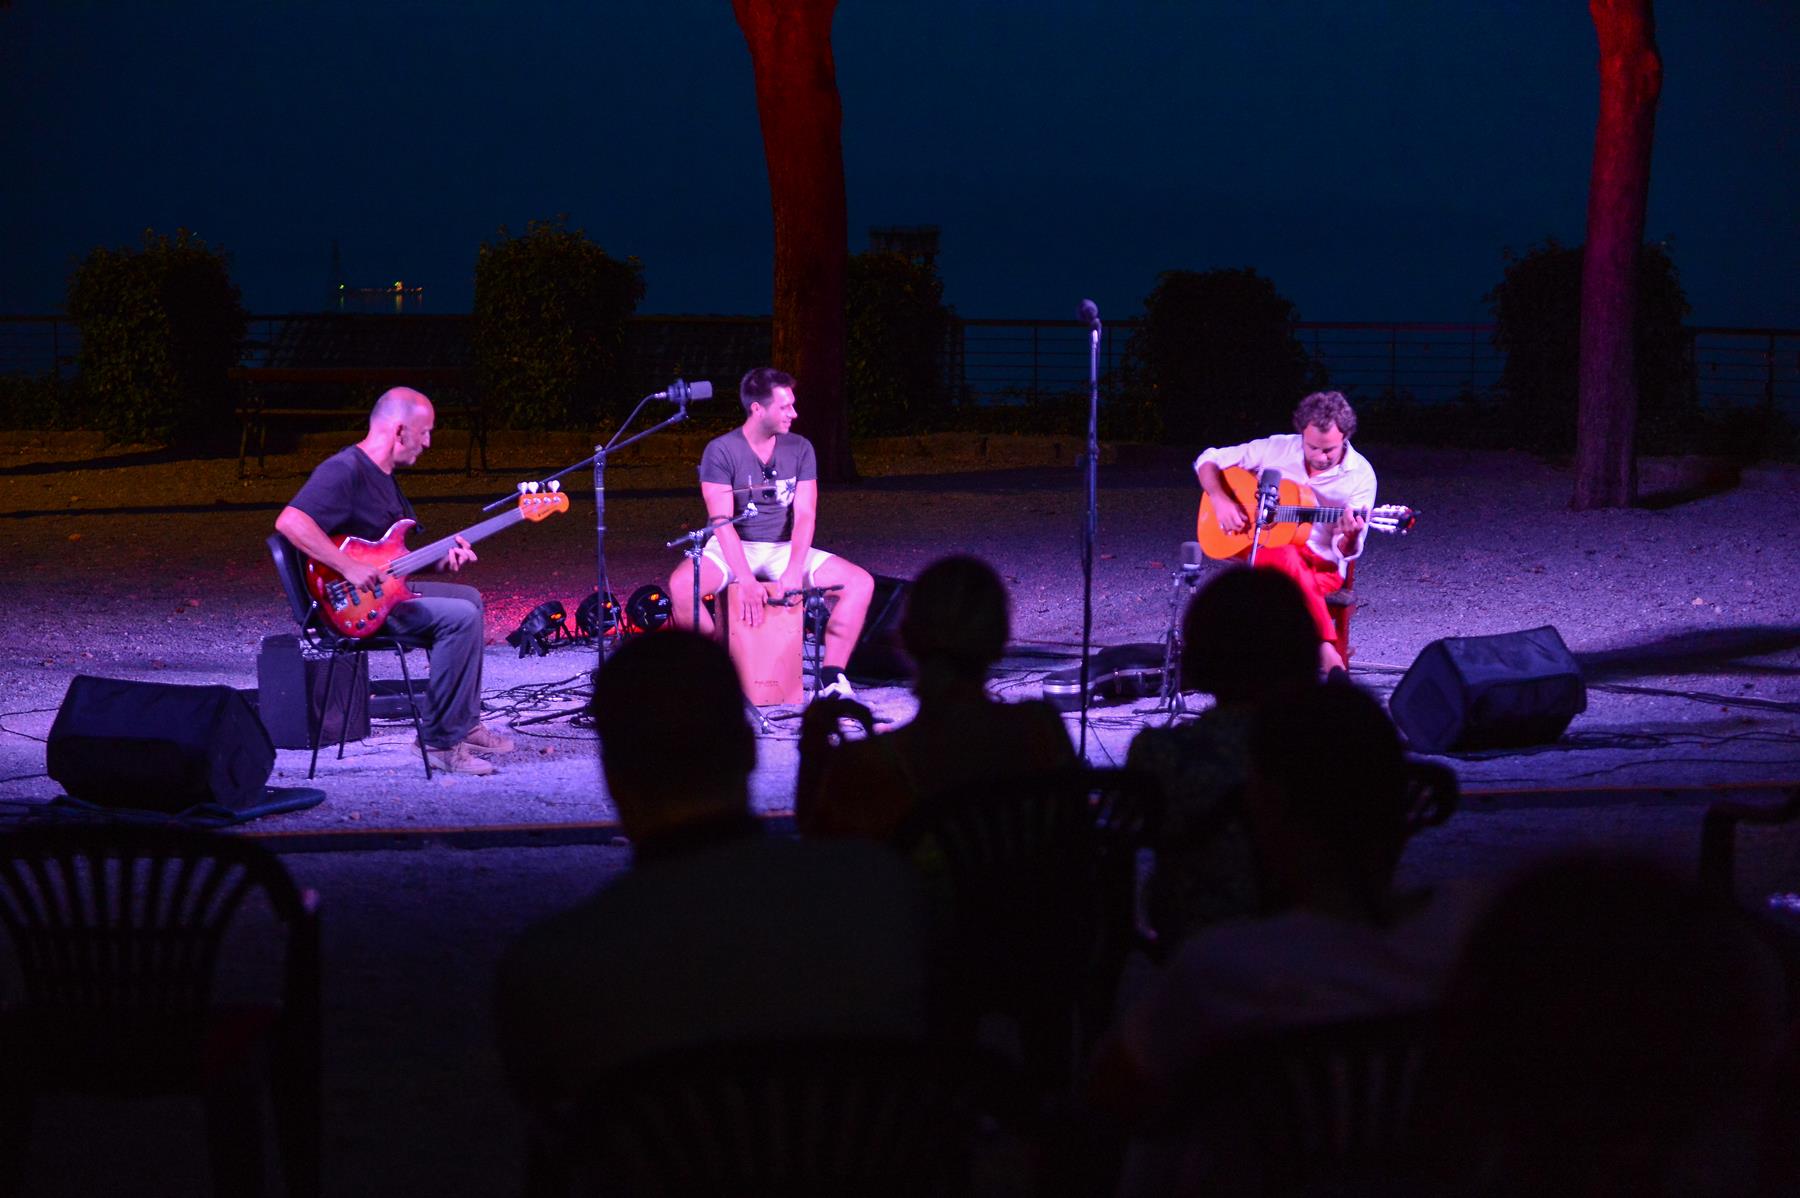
{"points": [[1317, 454], [354, 493]]}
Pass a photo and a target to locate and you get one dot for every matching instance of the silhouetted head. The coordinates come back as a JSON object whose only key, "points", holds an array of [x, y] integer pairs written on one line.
{"points": [[957, 620], [674, 743], [1609, 1029], [1327, 798], [1248, 634]]}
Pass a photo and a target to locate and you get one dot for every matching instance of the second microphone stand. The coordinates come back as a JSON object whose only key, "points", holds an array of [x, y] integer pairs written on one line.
{"points": [[679, 393]]}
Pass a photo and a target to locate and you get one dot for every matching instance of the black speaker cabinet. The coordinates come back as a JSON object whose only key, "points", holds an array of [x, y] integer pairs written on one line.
{"points": [[878, 656], [1489, 692], [153, 746], [289, 686]]}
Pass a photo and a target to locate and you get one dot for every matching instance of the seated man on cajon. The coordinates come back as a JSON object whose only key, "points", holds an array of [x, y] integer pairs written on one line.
{"points": [[764, 464]]}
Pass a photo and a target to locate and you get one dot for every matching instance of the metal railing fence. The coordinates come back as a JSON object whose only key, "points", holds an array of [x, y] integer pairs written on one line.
{"points": [[996, 360]]}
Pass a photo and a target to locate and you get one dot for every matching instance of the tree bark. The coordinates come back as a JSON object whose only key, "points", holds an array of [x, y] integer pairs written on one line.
{"points": [[802, 119], [1618, 193]]}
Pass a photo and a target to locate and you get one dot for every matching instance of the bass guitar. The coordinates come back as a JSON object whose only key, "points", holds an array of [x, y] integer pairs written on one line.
{"points": [[361, 611], [1296, 511]]}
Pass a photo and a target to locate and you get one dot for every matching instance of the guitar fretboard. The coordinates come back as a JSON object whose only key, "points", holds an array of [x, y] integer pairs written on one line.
{"points": [[436, 551]]}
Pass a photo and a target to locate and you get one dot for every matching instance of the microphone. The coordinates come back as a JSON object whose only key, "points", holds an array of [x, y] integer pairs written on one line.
{"points": [[682, 392], [1268, 493], [1089, 314]]}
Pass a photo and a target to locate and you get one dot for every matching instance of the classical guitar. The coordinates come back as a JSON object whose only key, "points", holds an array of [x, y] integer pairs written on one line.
{"points": [[1296, 511], [361, 611]]}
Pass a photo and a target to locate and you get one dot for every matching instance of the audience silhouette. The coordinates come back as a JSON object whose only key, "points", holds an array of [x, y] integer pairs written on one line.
{"points": [[718, 933], [1609, 1031], [1246, 639], [955, 628]]}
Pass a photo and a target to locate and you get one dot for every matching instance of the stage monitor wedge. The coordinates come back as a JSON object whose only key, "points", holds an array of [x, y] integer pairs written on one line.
{"points": [[158, 747], [1489, 692]]}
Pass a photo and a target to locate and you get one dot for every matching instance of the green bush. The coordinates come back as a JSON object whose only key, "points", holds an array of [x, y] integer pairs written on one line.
{"points": [[894, 373], [160, 326], [549, 326], [37, 401], [1219, 358], [1537, 325]]}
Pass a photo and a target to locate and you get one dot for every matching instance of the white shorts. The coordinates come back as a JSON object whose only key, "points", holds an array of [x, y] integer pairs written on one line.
{"points": [[767, 559]]}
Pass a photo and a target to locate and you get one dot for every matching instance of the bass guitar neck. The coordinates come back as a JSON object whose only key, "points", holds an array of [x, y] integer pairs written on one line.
{"points": [[362, 611]]}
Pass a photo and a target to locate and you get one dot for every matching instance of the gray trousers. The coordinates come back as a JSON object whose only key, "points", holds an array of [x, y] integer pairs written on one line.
{"points": [[447, 622]]}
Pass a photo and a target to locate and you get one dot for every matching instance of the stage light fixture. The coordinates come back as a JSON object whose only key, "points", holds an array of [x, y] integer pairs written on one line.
{"points": [[594, 618], [648, 609], [541, 625]]}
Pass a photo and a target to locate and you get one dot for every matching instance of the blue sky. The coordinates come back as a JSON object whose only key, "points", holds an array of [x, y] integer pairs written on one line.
{"points": [[1372, 158]]}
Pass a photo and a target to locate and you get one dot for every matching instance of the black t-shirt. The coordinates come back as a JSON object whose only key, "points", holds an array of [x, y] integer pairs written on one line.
{"points": [[771, 485], [349, 495]]}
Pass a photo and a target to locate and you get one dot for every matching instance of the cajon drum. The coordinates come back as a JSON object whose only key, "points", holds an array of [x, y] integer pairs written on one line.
{"points": [[767, 656]]}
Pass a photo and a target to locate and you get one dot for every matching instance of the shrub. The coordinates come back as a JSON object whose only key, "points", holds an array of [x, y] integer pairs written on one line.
{"points": [[1218, 354], [549, 326], [1537, 325], [894, 345], [160, 326], [39, 401]]}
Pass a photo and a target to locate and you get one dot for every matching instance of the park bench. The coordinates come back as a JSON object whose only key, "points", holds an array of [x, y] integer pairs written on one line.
{"points": [[256, 413]]}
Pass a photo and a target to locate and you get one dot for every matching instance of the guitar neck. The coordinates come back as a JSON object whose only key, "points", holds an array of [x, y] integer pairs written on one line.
{"points": [[437, 551], [1285, 514]]}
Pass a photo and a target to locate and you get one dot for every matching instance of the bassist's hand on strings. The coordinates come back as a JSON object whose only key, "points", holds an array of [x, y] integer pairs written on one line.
{"points": [[459, 556], [362, 575]]}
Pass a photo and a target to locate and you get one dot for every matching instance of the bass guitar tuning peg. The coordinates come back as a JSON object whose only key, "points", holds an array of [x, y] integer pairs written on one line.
{"points": [[555, 484]]}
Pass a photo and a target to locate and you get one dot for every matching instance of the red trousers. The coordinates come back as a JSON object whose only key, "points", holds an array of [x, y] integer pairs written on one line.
{"points": [[1316, 577]]}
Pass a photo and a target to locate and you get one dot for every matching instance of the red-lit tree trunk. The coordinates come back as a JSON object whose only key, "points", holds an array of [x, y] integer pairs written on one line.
{"points": [[797, 98], [1618, 192]]}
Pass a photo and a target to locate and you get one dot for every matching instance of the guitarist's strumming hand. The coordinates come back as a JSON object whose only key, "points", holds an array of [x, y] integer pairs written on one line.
{"points": [[1227, 510], [459, 556]]}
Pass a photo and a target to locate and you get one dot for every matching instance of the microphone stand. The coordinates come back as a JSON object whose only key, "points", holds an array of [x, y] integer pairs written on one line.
{"points": [[598, 461], [1090, 527], [693, 546]]}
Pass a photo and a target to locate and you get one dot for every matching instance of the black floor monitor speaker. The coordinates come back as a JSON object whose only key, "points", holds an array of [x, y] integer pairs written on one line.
{"points": [[153, 746], [290, 691], [1489, 692], [878, 656]]}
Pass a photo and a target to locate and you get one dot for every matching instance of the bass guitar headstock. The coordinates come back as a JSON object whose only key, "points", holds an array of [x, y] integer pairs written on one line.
{"points": [[539, 502]]}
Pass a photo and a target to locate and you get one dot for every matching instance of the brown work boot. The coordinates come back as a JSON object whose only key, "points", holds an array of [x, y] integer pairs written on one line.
{"points": [[460, 760], [491, 741]]}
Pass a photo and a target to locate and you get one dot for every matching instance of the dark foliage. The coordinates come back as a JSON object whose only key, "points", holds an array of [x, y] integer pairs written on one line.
{"points": [[894, 369], [160, 326], [1219, 358], [38, 401], [1537, 325], [549, 326]]}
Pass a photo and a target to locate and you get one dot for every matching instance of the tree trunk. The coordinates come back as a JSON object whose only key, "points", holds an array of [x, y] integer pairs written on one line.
{"points": [[797, 98], [1618, 192]]}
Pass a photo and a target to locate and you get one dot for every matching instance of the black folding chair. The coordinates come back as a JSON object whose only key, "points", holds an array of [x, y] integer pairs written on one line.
{"points": [[116, 933], [322, 639], [1038, 881], [783, 1117]]}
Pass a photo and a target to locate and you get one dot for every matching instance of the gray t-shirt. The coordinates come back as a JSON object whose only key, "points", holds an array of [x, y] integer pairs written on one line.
{"points": [[728, 460]]}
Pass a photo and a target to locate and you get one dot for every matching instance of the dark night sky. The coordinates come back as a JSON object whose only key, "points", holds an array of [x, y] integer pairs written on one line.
{"points": [[1372, 158]]}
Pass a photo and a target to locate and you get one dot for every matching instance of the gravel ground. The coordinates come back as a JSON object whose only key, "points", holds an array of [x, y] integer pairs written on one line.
{"points": [[126, 564]]}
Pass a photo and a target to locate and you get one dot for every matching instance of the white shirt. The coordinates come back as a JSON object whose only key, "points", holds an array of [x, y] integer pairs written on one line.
{"points": [[1350, 483]]}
